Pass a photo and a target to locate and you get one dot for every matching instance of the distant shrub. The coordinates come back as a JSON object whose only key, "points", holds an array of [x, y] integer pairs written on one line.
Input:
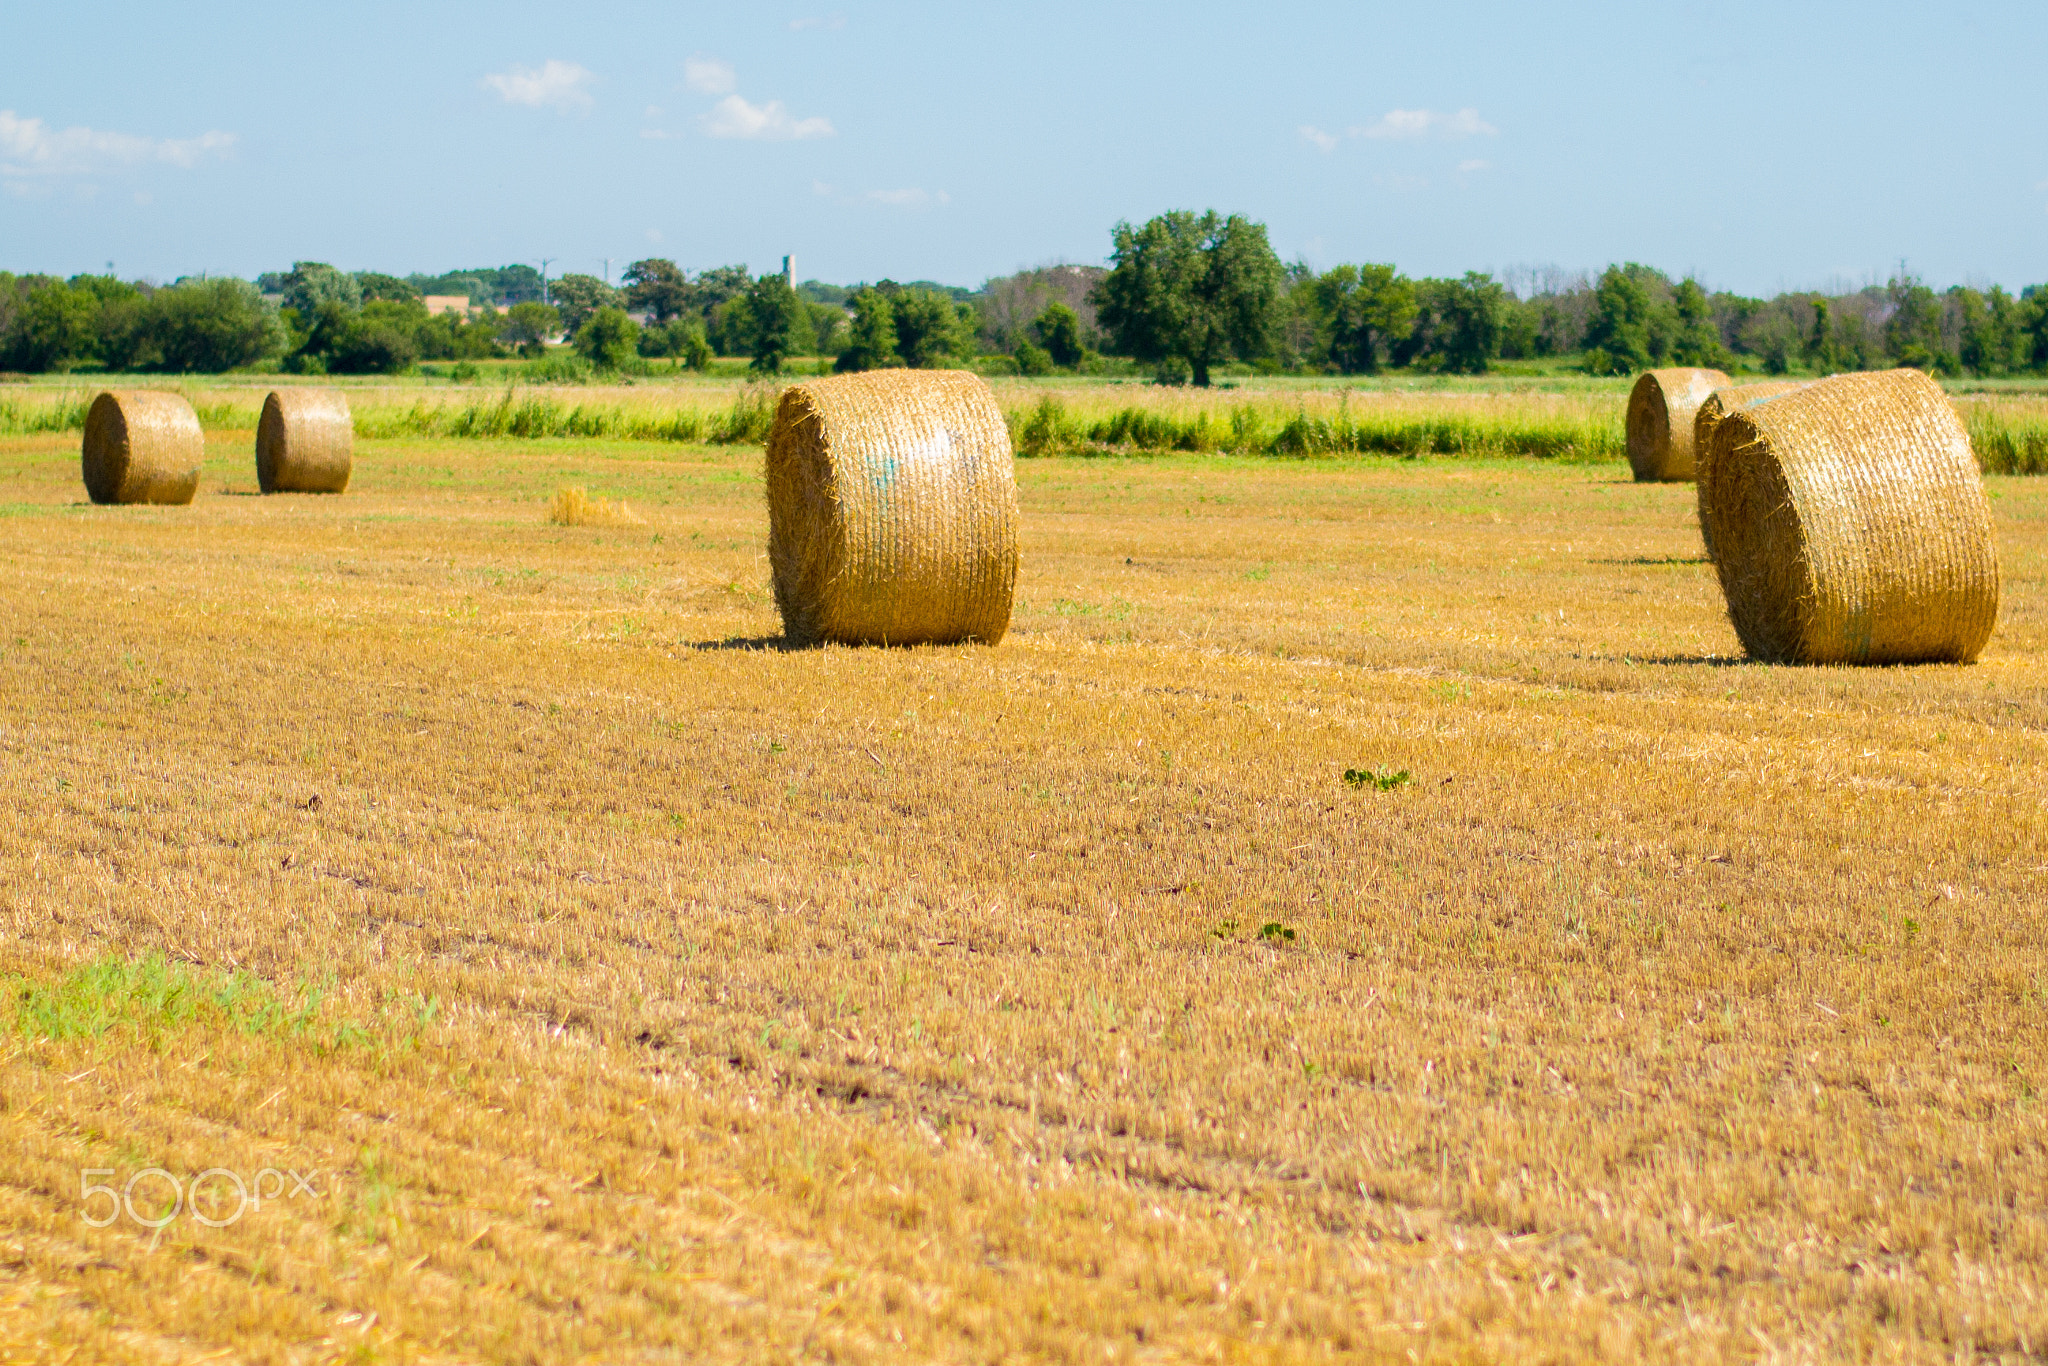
{"points": [[608, 338], [1032, 359], [1059, 328], [681, 338], [380, 340], [213, 325], [527, 326], [558, 369], [1045, 431]]}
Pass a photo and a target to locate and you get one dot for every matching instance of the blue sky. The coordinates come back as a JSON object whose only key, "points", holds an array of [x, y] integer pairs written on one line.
{"points": [[1762, 146]]}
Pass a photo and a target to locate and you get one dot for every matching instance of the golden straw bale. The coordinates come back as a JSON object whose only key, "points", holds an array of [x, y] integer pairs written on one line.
{"points": [[1713, 408], [1660, 413], [892, 510], [1852, 525], [305, 442], [142, 446]]}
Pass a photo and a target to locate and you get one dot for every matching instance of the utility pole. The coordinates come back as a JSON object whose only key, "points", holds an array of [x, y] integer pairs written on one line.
{"points": [[607, 270], [545, 262]]}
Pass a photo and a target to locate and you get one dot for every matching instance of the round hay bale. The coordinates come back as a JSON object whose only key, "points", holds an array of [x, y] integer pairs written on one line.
{"points": [[1713, 408], [892, 510], [1660, 413], [1852, 525], [305, 442], [142, 446]]}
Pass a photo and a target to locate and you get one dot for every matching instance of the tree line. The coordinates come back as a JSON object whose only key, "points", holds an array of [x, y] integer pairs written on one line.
{"points": [[1184, 297]]}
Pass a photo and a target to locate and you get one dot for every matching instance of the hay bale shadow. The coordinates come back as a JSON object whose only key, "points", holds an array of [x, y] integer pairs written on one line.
{"points": [[780, 644]]}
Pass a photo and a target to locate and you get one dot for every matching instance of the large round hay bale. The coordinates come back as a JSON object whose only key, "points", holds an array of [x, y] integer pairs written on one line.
{"points": [[1713, 408], [1851, 525], [1660, 413], [892, 510], [142, 446], [305, 442]]}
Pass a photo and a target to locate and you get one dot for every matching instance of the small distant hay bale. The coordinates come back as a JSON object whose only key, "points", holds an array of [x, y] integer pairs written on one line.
{"points": [[572, 506], [305, 442], [1852, 526], [142, 446], [1660, 414], [1713, 408], [892, 510]]}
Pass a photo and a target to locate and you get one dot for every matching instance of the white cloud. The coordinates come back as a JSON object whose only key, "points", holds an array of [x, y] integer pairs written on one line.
{"points": [[657, 134], [1323, 141], [654, 234], [1422, 123], [832, 22], [29, 147], [709, 76], [734, 117], [1475, 165], [558, 85]]}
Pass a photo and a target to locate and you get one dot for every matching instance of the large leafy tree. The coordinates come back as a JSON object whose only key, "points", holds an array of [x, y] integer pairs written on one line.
{"points": [[871, 336], [779, 324], [659, 286], [1623, 335], [528, 326], [579, 296], [58, 327], [1469, 313], [1059, 328], [1365, 309], [608, 338], [1194, 289], [381, 339], [930, 328], [1698, 341], [713, 287], [313, 283], [379, 288], [212, 325]]}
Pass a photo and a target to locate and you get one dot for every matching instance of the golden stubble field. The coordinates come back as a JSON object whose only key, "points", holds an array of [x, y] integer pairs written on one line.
{"points": [[628, 988]]}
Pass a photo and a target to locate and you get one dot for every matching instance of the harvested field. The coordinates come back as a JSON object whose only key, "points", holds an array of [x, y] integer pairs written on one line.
{"points": [[1363, 907]]}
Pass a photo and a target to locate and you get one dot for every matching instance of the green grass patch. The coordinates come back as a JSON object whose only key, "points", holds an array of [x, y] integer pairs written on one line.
{"points": [[1246, 429], [153, 996]]}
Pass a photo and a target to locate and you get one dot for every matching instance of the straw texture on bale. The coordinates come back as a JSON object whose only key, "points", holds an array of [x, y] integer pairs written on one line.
{"points": [[1851, 525], [305, 442], [1660, 413], [142, 446], [892, 510], [1713, 408]]}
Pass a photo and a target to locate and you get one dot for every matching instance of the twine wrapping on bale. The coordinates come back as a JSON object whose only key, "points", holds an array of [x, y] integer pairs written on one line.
{"points": [[1852, 525], [142, 446], [1713, 408], [892, 510], [305, 442], [1660, 413]]}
